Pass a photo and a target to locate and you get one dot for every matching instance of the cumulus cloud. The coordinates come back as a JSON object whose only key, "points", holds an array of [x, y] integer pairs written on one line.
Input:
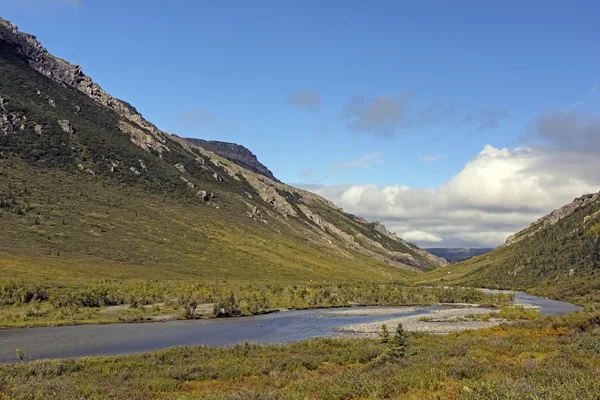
{"points": [[365, 161], [496, 194], [420, 236], [305, 99]]}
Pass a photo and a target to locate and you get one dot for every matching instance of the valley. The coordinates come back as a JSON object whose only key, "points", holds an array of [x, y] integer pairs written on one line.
{"points": [[139, 264]]}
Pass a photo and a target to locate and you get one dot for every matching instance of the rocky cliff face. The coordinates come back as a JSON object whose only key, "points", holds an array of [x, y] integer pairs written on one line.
{"points": [[235, 153], [63, 72], [552, 218]]}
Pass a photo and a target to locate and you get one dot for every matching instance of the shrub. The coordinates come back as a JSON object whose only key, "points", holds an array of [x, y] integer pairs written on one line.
{"points": [[189, 310], [227, 306]]}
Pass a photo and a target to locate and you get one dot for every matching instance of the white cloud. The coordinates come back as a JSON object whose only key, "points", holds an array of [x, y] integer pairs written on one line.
{"points": [[496, 194], [366, 161], [420, 236]]}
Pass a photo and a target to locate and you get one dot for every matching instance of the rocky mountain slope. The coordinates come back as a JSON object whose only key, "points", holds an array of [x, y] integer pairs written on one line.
{"points": [[83, 176], [235, 153], [557, 256]]}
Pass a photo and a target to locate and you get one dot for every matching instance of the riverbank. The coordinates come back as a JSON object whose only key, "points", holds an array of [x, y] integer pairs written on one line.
{"points": [[25, 306], [549, 358], [441, 321]]}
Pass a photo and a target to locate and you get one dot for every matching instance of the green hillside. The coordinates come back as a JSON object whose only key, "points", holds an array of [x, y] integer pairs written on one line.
{"points": [[558, 257], [89, 191]]}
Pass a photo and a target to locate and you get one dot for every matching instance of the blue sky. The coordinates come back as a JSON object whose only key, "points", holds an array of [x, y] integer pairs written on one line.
{"points": [[382, 93]]}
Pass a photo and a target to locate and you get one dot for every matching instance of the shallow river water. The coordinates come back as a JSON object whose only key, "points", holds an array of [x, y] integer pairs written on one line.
{"points": [[286, 326]]}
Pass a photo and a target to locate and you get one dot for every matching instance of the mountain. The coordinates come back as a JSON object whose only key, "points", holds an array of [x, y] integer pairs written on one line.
{"points": [[235, 153], [454, 255], [557, 256], [89, 189]]}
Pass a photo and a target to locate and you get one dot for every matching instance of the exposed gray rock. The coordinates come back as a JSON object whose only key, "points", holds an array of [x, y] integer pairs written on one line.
{"points": [[204, 195], [190, 184], [142, 138], [65, 125], [180, 167], [218, 177], [61, 71], [235, 153], [6, 124]]}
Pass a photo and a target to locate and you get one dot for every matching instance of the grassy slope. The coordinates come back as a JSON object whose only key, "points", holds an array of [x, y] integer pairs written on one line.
{"points": [[89, 229], [561, 261], [63, 225]]}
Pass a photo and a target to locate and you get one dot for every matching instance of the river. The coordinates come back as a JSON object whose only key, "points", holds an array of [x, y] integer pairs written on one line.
{"points": [[286, 326]]}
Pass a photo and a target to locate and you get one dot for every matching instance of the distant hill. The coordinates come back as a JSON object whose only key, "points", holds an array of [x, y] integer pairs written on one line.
{"points": [[91, 190], [557, 256], [454, 255]]}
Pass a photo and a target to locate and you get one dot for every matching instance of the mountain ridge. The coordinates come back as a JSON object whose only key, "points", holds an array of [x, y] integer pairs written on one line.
{"points": [[236, 153], [558, 256], [53, 116]]}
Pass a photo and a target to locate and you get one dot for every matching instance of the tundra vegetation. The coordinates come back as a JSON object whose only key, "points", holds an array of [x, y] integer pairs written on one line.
{"points": [[25, 304], [543, 358]]}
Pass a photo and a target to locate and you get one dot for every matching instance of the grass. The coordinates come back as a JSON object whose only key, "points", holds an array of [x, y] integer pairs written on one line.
{"points": [[549, 358], [508, 313], [87, 229]]}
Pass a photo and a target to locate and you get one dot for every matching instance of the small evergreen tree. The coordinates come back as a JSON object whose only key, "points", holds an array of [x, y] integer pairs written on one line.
{"points": [[385, 334], [399, 343]]}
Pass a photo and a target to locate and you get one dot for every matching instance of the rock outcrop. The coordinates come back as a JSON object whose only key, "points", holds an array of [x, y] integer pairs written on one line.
{"points": [[63, 72], [235, 153]]}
